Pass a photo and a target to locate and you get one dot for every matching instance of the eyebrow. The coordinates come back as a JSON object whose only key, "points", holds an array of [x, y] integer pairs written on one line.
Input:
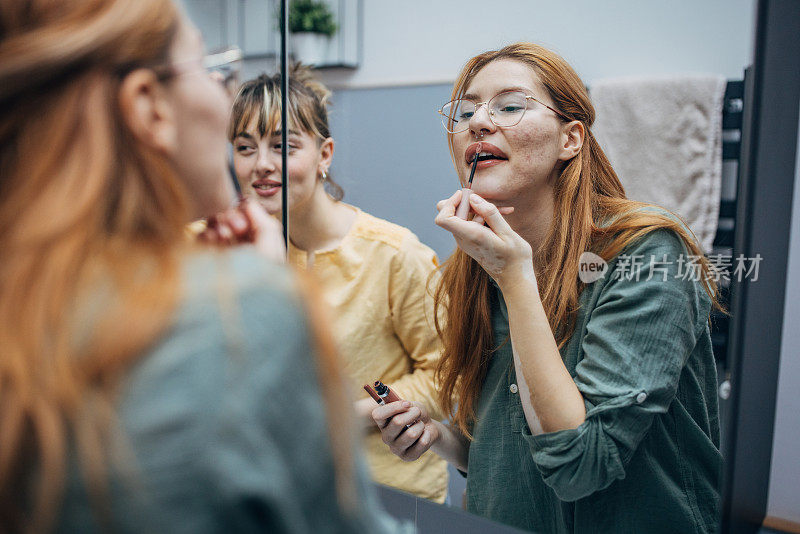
{"points": [[471, 96], [277, 133]]}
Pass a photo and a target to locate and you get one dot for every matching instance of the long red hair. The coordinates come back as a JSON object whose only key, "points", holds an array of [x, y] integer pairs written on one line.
{"points": [[85, 211], [586, 193]]}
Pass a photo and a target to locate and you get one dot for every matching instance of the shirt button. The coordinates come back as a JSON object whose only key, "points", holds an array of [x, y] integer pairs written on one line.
{"points": [[513, 388], [640, 398]]}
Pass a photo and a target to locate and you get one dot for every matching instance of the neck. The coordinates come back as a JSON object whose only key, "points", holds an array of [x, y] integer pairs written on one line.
{"points": [[532, 219], [321, 223]]}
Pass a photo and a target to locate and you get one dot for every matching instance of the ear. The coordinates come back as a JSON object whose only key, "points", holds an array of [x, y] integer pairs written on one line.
{"points": [[326, 153], [147, 112], [572, 136]]}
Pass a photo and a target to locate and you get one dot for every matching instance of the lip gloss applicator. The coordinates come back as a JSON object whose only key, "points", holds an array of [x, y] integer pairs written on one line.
{"points": [[463, 207]]}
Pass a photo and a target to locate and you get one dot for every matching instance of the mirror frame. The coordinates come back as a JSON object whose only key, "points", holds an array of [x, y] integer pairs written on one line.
{"points": [[764, 212]]}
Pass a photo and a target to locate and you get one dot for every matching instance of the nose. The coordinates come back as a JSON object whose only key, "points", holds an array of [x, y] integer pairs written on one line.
{"points": [[265, 163], [481, 123]]}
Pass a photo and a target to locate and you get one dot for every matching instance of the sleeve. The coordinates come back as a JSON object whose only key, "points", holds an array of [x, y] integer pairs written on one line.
{"points": [[637, 341], [411, 306], [269, 456]]}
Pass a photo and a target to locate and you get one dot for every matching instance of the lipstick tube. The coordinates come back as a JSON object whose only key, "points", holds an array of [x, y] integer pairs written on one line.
{"points": [[385, 393], [382, 394], [463, 207]]}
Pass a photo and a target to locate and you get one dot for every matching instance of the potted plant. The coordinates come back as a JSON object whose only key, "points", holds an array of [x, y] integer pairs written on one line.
{"points": [[311, 24]]}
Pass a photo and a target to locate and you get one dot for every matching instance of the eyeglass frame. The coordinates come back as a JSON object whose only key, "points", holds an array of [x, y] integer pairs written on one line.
{"points": [[222, 60], [489, 113]]}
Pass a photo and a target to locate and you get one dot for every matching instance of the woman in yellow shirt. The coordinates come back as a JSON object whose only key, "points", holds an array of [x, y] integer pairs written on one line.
{"points": [[373, 273]]}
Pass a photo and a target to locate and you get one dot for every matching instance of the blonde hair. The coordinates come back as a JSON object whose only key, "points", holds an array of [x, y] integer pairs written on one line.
{"points": [[591, 214], [308, 109]]}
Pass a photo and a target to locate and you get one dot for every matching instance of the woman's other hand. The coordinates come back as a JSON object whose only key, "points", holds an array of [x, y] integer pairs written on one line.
{"points": [[246, 223], [406, 443], [488, 238]]}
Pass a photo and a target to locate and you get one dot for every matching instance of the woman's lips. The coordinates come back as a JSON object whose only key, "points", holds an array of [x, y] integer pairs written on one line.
{"points": [[265, 188], [485, 164], [485, 148]]}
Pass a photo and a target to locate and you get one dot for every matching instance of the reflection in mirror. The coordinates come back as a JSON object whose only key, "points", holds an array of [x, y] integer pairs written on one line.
{"points": [[662, 81]]}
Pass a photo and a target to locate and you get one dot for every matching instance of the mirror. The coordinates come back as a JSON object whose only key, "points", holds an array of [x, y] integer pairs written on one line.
{"points": [[397, 65]]}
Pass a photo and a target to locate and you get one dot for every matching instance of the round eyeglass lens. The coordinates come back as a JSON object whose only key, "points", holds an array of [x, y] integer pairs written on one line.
{"points": [[456, 115], [507, 109]]}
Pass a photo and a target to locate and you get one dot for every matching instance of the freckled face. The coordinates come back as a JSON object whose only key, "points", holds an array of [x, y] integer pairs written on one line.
{"points": [[531, 148]]}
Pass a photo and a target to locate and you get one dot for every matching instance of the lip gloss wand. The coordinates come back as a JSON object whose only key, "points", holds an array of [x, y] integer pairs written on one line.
{"points": [[463, 207]]}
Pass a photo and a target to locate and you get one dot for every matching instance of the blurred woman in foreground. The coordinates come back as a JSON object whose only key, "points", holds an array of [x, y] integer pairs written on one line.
{"points": [[136, 393]]}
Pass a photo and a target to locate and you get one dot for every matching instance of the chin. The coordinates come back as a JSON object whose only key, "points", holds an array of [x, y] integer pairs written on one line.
{"points": [[269, 205]]}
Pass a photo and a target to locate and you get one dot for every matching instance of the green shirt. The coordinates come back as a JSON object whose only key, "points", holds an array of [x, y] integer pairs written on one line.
{"points": [[646, 459], [224, 426]]}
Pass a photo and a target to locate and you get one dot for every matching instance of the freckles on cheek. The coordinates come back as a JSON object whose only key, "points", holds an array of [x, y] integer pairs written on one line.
{"points": [[537, 146]]}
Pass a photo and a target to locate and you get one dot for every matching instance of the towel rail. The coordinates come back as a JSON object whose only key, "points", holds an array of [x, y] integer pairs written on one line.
{"points": [[732, 117]]}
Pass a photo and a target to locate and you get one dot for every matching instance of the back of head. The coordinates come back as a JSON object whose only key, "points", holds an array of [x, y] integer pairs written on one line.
{"points": [[78, 197], [61, 63]]}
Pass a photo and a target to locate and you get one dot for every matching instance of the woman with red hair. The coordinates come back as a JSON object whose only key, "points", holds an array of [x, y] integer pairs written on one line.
{"points": [[580, 401]]}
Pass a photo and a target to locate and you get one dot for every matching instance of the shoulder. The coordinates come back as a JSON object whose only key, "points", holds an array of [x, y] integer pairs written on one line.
{"points": [[241, 271], [240, 319], [403, 245], [237, 301], [376, 229], [657, 239], [656, 270]]}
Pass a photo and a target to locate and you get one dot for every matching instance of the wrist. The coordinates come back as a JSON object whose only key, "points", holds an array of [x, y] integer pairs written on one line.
{"points": [[519, 274]]}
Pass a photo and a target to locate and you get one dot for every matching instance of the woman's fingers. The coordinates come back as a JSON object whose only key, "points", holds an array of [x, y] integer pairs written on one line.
{"points": [[454, 199], [420, 446], [395, 426], [405, 428], [238, 223], [265, 231], [383, 413], [408, 436], [490, 214], [246, 223], [506, 210], [224, 232]]}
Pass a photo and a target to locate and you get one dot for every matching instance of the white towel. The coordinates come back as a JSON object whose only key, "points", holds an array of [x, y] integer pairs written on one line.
{"points": [[664, 139]]}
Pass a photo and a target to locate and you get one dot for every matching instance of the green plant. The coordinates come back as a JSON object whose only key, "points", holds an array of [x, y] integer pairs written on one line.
{"points": [[311, 16]]}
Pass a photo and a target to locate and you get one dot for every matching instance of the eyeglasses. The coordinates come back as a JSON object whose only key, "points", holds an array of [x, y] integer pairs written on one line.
{"points": [[223, 66], [505, 110]]}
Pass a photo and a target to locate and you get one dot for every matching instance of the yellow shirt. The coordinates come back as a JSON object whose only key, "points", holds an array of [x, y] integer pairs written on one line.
{"points": [[375, 284]]}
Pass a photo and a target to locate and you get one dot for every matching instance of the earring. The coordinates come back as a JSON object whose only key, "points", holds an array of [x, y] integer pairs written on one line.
{"points": [[324, 176]]}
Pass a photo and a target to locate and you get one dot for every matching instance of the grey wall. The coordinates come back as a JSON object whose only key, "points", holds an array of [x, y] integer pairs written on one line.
{"points": [[784, 483], [391, 156]]}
